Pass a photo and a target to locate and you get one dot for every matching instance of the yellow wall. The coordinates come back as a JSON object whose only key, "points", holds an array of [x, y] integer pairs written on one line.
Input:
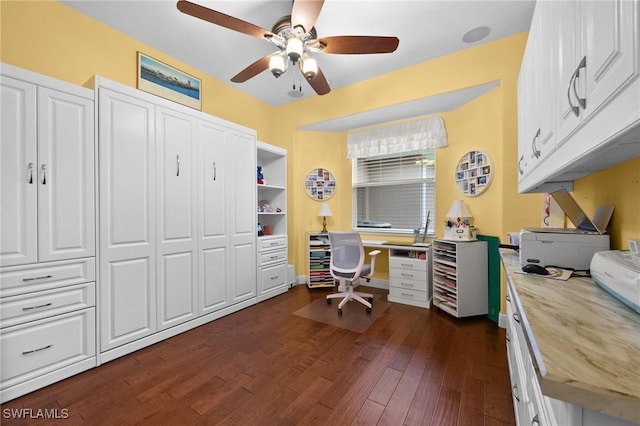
{"points": [[55, 40]]}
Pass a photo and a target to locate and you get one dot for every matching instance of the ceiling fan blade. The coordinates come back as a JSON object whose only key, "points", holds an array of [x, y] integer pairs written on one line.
{"points": [[252, 70], [319, 83], [222, 19], [359, 44], [304, 13]]}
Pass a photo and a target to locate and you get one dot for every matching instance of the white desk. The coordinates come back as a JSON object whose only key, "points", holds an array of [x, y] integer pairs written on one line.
{"points": [[410, 279]]}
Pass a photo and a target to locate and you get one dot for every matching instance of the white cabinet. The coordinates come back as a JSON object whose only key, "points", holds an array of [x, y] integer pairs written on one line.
{"points": [[460, 277], [47, 229], [272, 218], [319, 261], [127, 176], [594, 53], [177, 225], [410, 277], [47, 159], [536, 89], [176, 220]]}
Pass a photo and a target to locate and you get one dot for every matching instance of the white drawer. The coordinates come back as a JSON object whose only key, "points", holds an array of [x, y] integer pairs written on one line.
{"points": [[273, 277], [408, 263], [408, 274], [403, 283], [272, 243], [272, 257], [16, 280], [403, 293], [42, 304], [36, 348]]}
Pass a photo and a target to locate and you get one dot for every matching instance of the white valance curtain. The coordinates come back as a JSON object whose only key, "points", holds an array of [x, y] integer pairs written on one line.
{"points": [[397, 138]]}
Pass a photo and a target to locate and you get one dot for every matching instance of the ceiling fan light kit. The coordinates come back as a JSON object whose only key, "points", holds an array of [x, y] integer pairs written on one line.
{"points": [[296, 37]]}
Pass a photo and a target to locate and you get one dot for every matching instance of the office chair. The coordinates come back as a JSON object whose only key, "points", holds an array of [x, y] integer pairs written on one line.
{"points": [[347, 266]]}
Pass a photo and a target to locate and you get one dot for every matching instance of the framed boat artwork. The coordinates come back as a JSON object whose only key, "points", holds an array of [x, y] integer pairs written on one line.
{"points": [[168, 82]]}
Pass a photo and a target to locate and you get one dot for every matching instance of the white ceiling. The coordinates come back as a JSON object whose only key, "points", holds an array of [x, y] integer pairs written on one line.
{"points": [[427, 29]]}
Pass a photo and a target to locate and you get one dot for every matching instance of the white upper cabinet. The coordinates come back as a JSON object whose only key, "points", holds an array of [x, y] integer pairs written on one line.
{"points": [[587, 55], [47, 159]]}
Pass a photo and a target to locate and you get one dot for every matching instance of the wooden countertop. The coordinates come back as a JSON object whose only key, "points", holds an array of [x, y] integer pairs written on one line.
{"points": [[585, 344]]}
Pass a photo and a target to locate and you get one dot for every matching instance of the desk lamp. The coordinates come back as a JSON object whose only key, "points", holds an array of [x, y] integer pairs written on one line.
{"points": [[324, 212]]}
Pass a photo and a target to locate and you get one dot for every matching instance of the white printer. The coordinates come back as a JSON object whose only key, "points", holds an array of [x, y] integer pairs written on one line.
{"points": [[618, 272], [569, 248], [564, 250]]}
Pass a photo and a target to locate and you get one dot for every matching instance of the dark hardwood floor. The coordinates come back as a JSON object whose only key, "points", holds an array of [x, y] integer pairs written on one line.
{"points": [[266, 366]]}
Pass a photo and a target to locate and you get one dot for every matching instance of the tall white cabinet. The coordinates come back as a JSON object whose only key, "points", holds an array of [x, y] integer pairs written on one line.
{"points": [[47, 229], [177, 225]]}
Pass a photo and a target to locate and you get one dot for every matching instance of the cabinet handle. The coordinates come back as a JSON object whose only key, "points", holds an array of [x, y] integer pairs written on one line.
{"points": [[44, 174], [574, 109], [407, 294], [28, 308], [44, 277], [30, 170], [407, 275], [275, 278], [274, 257], [515, 395], [536, 151], [407, 265], [273, 244], [177, 165], [36, 350], [520, 171], [215, 171], [581, 101], [506, 336], [535, 420], [516, 317], [407, 285], [508, 298]]}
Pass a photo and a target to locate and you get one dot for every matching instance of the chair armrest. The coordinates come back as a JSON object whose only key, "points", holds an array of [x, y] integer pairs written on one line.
{"points": [[373, 255]]}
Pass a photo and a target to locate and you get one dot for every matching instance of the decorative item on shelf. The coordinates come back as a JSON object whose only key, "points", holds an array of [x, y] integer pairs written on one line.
{"points": [[260, 231], [267, 230], [458, 224], [320, 184], [324, 212], [265, 207], [260, 176], [473, 173]]}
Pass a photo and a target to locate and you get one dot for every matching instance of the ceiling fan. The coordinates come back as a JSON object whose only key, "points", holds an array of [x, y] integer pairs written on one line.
{"points": [[296, 38]]}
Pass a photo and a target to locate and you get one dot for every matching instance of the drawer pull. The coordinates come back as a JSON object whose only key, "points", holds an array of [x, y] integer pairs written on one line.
{"points": [[44, 277], [274, 257], [516, 317], [36, 350], [407, 294], [407, 275], [407, 285], [275, 277], [275, 243], [28, 308]]}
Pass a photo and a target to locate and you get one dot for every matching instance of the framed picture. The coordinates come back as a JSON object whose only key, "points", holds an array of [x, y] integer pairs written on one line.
{"points": [[320, 184], [165, 81], [473, 173]]}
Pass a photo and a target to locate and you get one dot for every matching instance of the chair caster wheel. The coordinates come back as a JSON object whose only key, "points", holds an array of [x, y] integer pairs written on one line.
{"points": [[328, 301], [368, 310], [340, 312]]}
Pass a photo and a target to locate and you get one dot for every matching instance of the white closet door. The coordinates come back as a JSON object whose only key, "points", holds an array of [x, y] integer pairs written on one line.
{"points": [[242, 215], [213, 239], [18, 184], [176, 218], [127, 219], [66, 216]]}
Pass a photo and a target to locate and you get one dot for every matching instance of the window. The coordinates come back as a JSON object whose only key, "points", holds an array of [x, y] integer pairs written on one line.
{"points": [[394, 192]]}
